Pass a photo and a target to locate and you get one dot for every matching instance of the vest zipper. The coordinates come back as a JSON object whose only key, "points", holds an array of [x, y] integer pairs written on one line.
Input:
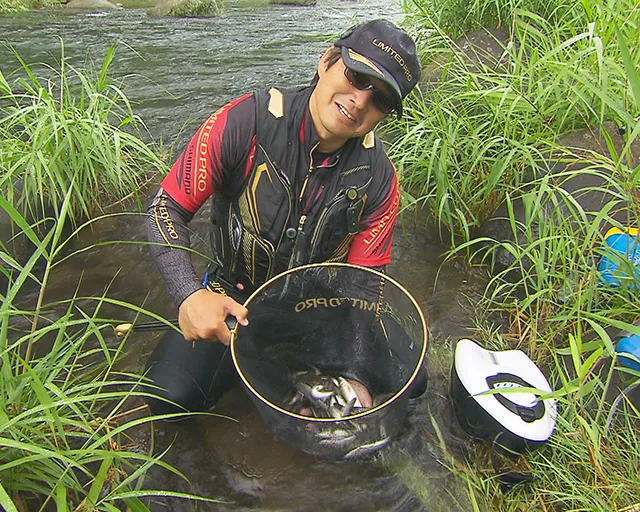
{"points": [[299, 248], [299, 243]]}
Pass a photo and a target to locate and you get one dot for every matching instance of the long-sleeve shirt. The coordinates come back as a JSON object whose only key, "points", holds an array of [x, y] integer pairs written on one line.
{"points": [[218, 159]]}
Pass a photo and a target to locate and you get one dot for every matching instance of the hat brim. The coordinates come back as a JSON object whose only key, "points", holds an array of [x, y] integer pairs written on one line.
{"points": [[361, 64]]}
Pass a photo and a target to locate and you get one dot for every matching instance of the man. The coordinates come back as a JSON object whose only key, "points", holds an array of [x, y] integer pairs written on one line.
{"points": [[297, 176]]}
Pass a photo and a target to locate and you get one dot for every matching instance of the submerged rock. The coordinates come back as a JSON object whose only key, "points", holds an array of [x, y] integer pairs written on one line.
{"points": [[91, 4], [187, 8]]}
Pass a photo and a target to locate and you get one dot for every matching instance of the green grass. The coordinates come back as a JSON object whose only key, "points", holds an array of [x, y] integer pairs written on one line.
{"points": [[188, 8], [459, 17], [476, 132], [8, 6], [69, 416], [478, 136], [72, 130]]}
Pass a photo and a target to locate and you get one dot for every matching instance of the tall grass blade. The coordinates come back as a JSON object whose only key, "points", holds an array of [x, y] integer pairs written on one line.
{"points": [[7, 503], [630, 67]]}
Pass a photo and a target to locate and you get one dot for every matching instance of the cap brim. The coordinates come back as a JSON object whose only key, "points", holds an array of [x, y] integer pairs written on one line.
{"points": [[361, 64]]}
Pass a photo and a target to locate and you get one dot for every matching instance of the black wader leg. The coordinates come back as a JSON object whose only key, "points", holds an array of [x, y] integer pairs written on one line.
{"points": [[193, 376]]}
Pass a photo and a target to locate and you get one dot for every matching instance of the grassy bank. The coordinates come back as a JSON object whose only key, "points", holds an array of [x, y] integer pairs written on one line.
{"points": [[25, 5], [9, 6], [13, 6], [68, 150], [488, 133], [69, 418], [71, 130]]}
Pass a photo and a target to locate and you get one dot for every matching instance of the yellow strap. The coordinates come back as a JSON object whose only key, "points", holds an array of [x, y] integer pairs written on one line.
{"points": [[618, 231]]}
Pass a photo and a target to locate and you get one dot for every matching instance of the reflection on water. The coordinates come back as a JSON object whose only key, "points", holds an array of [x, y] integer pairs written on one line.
{"points": [[177, 71]]}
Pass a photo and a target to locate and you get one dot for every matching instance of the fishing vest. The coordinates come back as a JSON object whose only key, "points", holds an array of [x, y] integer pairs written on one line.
{"points": [[264, 231]]}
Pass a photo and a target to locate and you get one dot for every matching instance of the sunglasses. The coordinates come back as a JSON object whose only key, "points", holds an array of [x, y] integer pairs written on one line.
{"points": [[362, 82]]}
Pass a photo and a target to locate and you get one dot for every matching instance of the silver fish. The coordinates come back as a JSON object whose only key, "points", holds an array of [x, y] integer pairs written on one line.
{"points": [[338, 408], [365, 449], [336, 437], [316, 389], [312, 390], [348, 393], [323, 395]]}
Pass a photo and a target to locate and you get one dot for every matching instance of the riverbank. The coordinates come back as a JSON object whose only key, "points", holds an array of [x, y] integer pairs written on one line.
{"points": [[469, 143], [7, 6], [528, 122]]}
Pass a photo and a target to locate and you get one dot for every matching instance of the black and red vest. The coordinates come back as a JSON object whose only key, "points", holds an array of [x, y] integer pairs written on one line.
{"points": [[273, 225]]}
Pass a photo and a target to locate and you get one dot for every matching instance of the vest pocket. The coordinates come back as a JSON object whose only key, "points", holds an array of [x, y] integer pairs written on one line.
{"points": [[255, 257], [244, 256], [333, 234], [266, 202]]}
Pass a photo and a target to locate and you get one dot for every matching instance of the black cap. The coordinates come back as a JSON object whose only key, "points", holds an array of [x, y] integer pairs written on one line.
{"points": [[380, 49]]}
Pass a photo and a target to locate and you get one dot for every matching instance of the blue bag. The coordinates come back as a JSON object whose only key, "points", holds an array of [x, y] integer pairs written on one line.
{"points": [[620, 263], [629, 345]]}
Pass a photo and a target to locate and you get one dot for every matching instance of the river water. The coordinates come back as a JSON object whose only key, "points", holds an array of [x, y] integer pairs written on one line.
{"points": [[176, 72]]}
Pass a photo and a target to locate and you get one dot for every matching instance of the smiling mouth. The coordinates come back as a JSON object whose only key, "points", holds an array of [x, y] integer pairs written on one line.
{"points": [[345, 113]]}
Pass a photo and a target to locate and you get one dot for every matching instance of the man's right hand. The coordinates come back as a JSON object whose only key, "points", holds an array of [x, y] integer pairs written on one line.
{"points": [[202, 316]]}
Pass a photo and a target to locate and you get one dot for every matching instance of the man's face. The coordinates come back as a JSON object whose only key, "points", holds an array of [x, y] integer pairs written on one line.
{"points": [[339, 110]]}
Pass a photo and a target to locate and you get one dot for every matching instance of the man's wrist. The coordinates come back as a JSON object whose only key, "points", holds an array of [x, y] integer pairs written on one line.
{"points": [[185, 291]]}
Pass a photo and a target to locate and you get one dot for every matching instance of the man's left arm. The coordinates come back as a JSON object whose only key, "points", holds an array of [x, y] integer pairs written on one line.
{"points": [[371, 247]]}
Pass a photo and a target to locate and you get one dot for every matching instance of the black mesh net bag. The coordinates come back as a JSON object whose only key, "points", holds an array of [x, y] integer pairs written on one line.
{"points": [[316, 335]]}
